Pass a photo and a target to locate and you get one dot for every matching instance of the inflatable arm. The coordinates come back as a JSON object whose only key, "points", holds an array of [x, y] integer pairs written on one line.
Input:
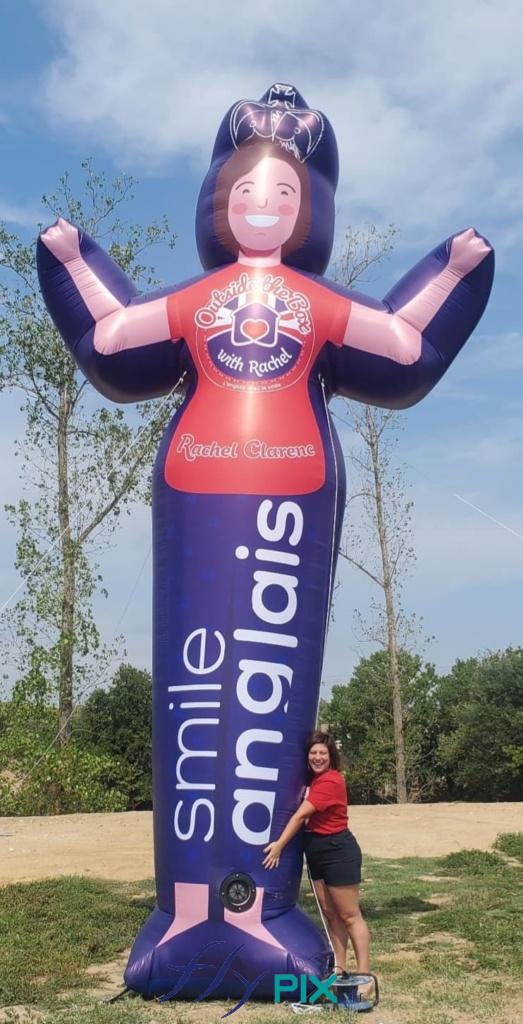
{"points": [[393, 355], [120, 340]]}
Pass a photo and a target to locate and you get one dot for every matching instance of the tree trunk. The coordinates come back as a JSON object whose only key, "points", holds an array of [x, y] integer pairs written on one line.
{"points": [[67, 547], [392, 645]]}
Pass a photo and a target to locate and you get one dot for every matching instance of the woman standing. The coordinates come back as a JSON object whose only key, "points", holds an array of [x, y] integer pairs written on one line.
{"points": [[332, 852]]}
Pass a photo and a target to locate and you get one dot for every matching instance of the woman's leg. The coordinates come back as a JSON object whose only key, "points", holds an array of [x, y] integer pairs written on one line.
{"points": [[336, 929], [345, 900]]}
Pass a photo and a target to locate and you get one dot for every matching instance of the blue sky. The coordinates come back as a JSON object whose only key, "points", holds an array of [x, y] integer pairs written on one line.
{"points": [[426, 103]]}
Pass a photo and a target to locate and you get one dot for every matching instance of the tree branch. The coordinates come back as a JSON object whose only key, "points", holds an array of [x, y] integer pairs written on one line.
{"points": [[42, 397], [363, 568], [104, 512], [74, 401]]}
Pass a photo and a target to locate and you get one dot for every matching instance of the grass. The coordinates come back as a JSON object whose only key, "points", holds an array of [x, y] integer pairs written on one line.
{"points": [[445, 945], [473, 862], [510, 843], [51, 931]]}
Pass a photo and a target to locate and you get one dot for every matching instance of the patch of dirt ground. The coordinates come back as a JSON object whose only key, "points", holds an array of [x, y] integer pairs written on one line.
{"points": [[120, 846], [20, 1015]]}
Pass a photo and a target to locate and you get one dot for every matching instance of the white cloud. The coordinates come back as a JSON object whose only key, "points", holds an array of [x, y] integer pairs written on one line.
{"points": [[425, 99]]}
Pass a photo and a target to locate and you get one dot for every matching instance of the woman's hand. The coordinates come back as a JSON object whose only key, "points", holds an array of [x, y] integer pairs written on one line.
{"points": [[273, 851]]}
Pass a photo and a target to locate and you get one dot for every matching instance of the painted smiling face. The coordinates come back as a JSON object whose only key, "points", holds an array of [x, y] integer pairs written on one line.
{"points": [[263, 206]]}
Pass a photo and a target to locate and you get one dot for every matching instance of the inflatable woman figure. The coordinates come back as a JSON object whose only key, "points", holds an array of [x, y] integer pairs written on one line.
{"points": [[248, 497]]}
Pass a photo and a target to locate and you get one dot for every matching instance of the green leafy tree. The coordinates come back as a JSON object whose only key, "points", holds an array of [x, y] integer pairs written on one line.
{"points": [[82, 463], [117, 723], [481, 742], [464, 731], [36, 777], [360, 715]]}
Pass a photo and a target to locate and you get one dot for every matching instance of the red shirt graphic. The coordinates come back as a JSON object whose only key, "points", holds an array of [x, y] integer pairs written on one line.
{"points": [[254, 334], [328, 794]]}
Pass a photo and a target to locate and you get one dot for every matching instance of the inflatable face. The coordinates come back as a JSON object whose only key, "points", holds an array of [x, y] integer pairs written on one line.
{"points": [[248, 497], [263, 207], [280, 126]]}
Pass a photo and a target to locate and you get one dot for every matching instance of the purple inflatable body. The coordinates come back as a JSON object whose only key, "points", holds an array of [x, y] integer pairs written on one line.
{"points": [[248, 498]]}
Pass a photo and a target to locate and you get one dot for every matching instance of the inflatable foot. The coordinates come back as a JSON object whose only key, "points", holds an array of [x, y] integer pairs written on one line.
{"points": [[193, 956]]}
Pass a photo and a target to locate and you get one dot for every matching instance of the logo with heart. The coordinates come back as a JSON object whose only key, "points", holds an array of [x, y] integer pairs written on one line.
{"points": [[252, 334], [254, 330], [254, 323]]}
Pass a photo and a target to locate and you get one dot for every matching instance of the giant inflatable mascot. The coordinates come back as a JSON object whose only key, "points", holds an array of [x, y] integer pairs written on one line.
{"points": [[248, 497]]}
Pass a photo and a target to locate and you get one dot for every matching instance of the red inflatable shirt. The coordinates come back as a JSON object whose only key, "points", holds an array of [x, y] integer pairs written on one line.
{"points": [[254, 335]]}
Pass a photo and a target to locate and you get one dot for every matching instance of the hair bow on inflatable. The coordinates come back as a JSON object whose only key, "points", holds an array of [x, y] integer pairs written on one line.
{"points": [[297, 129]]}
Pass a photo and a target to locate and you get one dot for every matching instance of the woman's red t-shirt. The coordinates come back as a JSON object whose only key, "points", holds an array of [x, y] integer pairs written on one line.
{"points": [[328, 793]]}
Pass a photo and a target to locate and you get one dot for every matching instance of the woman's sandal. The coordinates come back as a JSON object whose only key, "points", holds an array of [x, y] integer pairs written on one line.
{"points": [[340, 972], [366, 992]]}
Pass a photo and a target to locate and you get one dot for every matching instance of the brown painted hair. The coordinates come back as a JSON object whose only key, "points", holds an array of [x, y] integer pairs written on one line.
{"points": [[240, 163], [328, 741]]}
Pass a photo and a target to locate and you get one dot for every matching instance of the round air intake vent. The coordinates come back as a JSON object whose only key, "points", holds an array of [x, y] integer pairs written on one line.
{"points": [[237, 892]]}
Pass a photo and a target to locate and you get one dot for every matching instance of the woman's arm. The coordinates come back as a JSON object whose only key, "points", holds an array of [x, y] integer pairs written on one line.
{"points": [[97, 311], [393, 355], [274, 849]]}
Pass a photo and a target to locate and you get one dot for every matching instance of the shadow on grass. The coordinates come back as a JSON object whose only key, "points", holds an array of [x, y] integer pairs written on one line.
{"points": [[401, 905], [147, 902]]}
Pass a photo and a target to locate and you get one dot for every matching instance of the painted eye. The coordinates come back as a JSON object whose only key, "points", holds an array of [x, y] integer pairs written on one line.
{"points": [[283, 192], [246, 191]]}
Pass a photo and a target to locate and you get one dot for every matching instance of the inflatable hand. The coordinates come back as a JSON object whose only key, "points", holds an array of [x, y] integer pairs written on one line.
{"points": [[467, 251], [63, 240]]}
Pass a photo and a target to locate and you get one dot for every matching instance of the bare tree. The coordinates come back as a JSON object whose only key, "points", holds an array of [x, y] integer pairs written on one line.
{"points": [[362, 250], [378, 542]]}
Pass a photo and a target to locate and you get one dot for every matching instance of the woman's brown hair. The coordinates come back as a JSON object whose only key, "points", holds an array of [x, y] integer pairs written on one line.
{"points": [[328, 741], [242, 162]]}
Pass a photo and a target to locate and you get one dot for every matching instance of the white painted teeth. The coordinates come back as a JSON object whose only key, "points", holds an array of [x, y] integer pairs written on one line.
{"points": [[261, 220]]}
